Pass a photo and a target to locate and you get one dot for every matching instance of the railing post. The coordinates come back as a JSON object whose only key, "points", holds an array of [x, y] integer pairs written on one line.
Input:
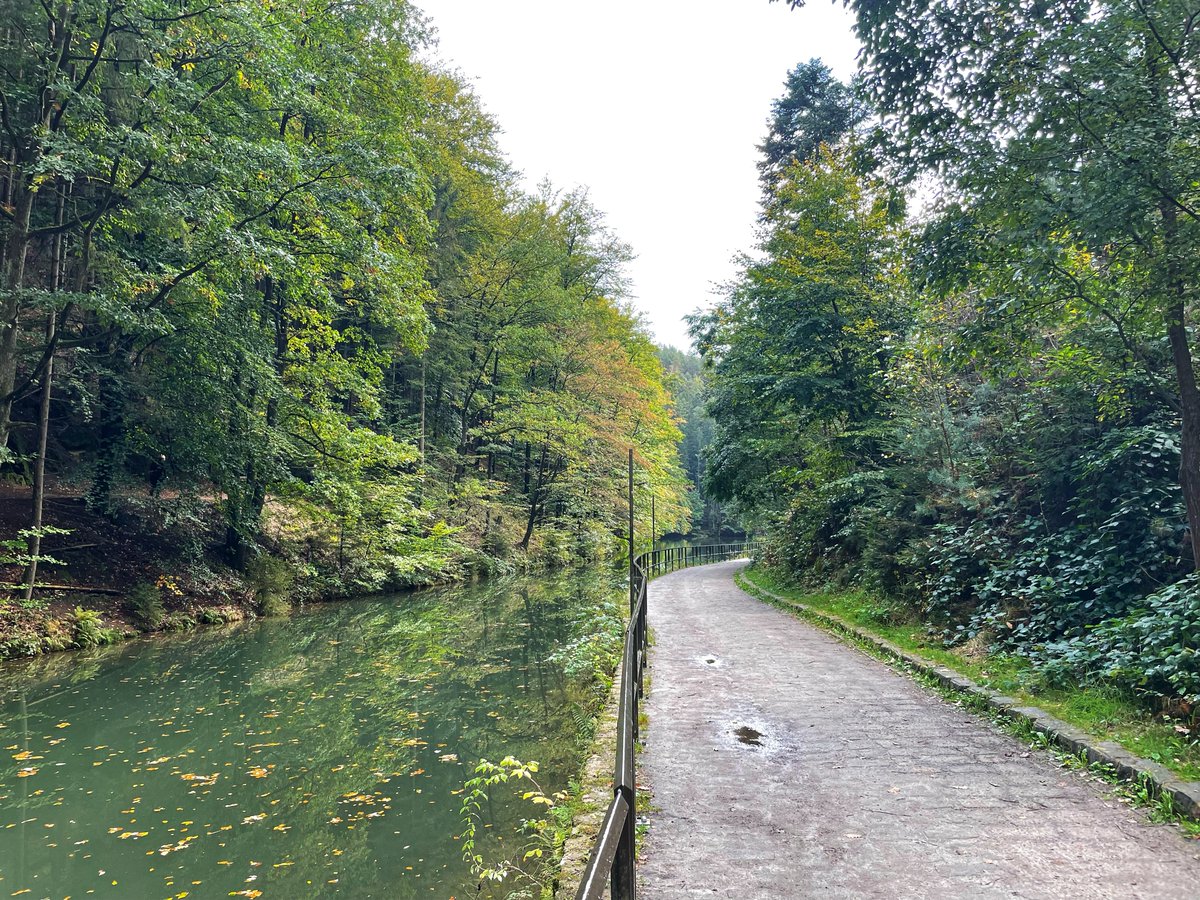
{"points": [[624, 878], [643, 639], [632, 563]]}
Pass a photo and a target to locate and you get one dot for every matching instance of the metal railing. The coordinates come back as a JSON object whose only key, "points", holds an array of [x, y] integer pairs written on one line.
{"points": [[612, 859]]}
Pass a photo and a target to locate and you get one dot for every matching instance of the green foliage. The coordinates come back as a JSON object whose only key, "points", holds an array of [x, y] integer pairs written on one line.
{"points": [[218, 616], [271, 580], [145, 604], [14, 552], [89, 633], [524, 871], [685, 379], [1154, 650], [816, 109], [598, 637]]}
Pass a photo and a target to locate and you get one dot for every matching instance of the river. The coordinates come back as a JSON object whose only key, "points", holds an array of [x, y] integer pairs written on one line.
{"points": [[322, 754]]}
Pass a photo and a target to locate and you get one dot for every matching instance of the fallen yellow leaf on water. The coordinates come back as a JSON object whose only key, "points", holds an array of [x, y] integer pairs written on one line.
{"points": [[63, 725], [205, 780]]}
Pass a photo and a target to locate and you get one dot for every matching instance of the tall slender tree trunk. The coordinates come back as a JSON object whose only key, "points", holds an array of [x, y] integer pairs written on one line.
{"points": [[421, 438], [1185, 375], [39, 470], [12, 280], [537, 496], [1189, 444]]}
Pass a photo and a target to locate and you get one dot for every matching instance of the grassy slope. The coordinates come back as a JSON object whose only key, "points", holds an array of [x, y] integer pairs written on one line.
{"points": [[1100, 710]]}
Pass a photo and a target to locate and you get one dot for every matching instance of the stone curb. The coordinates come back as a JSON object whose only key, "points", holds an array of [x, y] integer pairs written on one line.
{"points": [[1185, 795]]}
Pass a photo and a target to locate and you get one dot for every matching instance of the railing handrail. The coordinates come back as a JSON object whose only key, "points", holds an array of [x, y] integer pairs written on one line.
{"points": [[613, 853]]}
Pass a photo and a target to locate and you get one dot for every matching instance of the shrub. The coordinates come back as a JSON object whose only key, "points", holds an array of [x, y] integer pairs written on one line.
{"points": [[60, 634], [496, 544], [1154, 650], [145, 606], [271, 579], [20, 644], [89, 633], [210, 616], [179, 621]]}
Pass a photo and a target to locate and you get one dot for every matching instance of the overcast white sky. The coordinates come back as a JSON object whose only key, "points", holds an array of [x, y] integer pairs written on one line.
{"points": [[656, 107]]}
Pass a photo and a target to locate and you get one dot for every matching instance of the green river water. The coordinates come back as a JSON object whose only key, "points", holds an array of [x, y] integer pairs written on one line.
{"points": [[318, 755]]}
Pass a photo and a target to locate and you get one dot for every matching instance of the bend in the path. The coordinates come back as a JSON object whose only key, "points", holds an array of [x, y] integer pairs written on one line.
{"points": [[862, 784]]}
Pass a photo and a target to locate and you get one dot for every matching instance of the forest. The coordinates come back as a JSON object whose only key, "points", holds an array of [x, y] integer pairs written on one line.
{"points": [[279, 320], [959, 370]]}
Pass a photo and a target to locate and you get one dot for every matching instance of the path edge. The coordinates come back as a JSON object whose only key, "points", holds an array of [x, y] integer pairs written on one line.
{"points": [[1162, 782]]}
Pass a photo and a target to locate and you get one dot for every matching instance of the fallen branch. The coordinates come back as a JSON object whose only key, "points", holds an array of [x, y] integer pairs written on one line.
{"points": [[75, 588]]}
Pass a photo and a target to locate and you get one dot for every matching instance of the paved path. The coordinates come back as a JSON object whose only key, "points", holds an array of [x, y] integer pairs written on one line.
{"points": [[862, 783]]}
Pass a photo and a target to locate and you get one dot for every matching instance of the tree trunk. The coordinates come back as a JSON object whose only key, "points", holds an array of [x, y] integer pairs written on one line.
{"points": [[39, 469], [12, 280], [1189, 444], [537, 497], [421, 436], [530, 523], [1185, 375], [43, 417]]}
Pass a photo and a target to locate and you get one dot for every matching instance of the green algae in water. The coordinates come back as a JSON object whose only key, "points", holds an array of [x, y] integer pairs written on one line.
{"points": [[319, 755]]}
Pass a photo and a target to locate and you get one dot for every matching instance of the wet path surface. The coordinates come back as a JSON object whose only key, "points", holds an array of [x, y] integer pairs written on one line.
{"points": [[785, 764]]}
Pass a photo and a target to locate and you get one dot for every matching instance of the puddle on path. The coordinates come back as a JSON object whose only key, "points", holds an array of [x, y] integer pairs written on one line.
{"points": [[752, 737]]}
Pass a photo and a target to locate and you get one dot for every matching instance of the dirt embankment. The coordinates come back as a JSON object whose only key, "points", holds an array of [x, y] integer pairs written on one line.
{"points": [[100, 565]]}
